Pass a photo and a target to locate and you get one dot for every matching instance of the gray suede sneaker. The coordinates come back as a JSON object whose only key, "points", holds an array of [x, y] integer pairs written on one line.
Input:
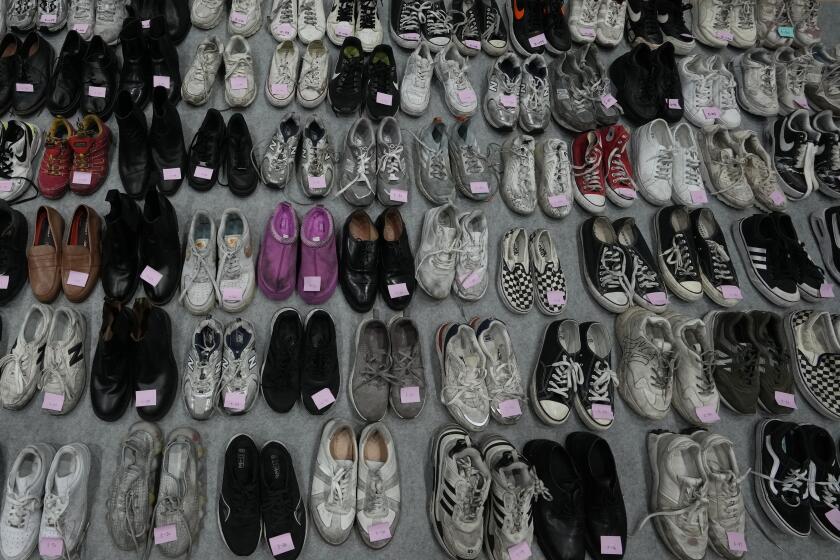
{"points": [[435, 259], [432, 172], [357, 180], [370, 377], [278, 164], [519, 183], [571, 105], [471, 169], [501, 101], [408, 383], [392, 166], [534, 99]]}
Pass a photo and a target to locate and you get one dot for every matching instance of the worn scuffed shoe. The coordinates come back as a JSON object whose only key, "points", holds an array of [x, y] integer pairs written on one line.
{"points": [[66, 513], [312, 22], [534, 99], [504, 380], [65, 374], [22, 367], [240, 88], [207, 14], [23, 501], [277, 168], [471, 274], [458, 92], [110, 15], [235, 275], [201, 75], [314, 75], [203, 369], [435, 258], [332, 499], [281, 83], [472, 171], [722, 170], [695, 394], [369, 385], [283, 19], [392, 180], [316, 163], [198, 275], [462, 362], [81, 18], [240, 384], [554, 179], [245, 17], [501, 101], [416, 88], [430, 151], [758, 171], [755, 74], [407, 368], [653, 161], [571, 103], [357, 180], [519, 182], [378, 485]]}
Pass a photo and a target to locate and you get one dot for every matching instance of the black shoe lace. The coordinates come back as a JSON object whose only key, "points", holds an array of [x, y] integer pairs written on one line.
{"points": [[379, 76], [244, 505], [345, 10], [202, 146], [367, 14], [650, 24], [278, 506], [350, 78]]}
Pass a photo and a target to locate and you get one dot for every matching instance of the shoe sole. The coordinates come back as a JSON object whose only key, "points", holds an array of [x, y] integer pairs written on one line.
{"points": [[756, 280], [820, 229], [799, 376], [670, 281]]}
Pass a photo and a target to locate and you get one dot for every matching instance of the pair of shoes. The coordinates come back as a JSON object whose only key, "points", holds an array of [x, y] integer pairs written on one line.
{"points": [[26, 67], [776, 260], [68, 264], [574, 365], [709, 92], [309, 149], [518, 94], [581, 92], [46, 505], [301, 362], [529, 269], [656, 22], [790, 459], [231, 281], [364, 81], [795, 141], [592, 518], [387, 368], [750, 362], [648, 84], [602, 170], [708, 509], [535, 26], [458, 93], [200, 78], [19, 144], [48, 355], [374, 164], [288, 75], [217, 146], [260, 496], [823, 224], [479, 373], [376, 258], [78, 159], [414, 22], [598, 20], [719, 24], [453, 253], [14, 235], [49, 18], [814, 339], [355, 18], [313, 268], [87, 76], [476, 26], [178, 507], [240, 84], [367, 476]]}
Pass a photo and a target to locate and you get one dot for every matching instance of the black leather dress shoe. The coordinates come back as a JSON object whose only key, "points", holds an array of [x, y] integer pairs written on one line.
{"points": [[164, 57], [396, 263], [359, 267], [154, 367], [160, 247], [9, 47], [241, 176], [135, 157], [35, 62], [136, 73], [559, 523], [281, 370], [120, 247], [100, 76], [14, 233], [110, 375], [166, 141], [207, 152], [66, 82]]}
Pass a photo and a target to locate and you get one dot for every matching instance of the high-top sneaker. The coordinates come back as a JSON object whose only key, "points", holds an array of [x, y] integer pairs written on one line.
{"points": [[618, 171]]}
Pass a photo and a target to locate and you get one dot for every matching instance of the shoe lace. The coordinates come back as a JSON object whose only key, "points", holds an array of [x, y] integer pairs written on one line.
{"points": [[812, 11], [561, 168], [350, 80], [56, 161], [794, 483], [745, 14], [492, 22], [643, 275], [767, 81], [313, 75], [664, 164], [466, 387], [433, 16], [375, 499], [308, 11], [721, 262], [405, 368], [203, 379], [340, 486], [316, 156], [55, 372], [106, 10], [611, 270], [279, 153], [362, 167], [506, 383], [565, 375], [704, 90], [613, 8], [378, 76], [242, 67], [16, 366], [525, 164], [721, 17], [589, 10], [590, 170], [391, 161], [202, 68], [599, 389], [410, 16], [830, 494], [465, 24], [535, 97], [679, 256], [54, 506], [376, 368], [367, 14], [20, 507], [694, 513], [691, 169], [230, 268], [469, 498], [458, 73], [517, 514], [644, 351], [281, 10], [200, 274]]}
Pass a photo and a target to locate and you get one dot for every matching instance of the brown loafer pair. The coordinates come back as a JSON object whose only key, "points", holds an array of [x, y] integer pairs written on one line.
{"points": [[71, 265]]}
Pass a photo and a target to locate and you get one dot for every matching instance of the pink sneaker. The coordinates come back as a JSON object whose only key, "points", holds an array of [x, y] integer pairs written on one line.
{"points": [[318, 272], [277, 263]]}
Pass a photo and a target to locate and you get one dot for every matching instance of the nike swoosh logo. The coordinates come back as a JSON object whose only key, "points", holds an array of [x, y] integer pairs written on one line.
{"points": [[783, 143], [518, 13]]}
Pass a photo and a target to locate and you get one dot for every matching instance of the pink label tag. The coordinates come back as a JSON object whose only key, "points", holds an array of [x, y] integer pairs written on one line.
{"points": [[146, 23], [235, 401], [674, 104], [317, 183], [537, 41], [707, 414], [555, 297], [379, 532], [145, 398], [398, 195], [53, 401], [833, 517], [284, 30], [398, 290], [737, 542], [238, 18], [802, 102], [470, 280], [281, 544], [519, 551], [657, 298], [49, 18], [699, 197], [410, 394], [75, 278], [232, 295], [472, 44], [203, 172], [731, 292], [558, 200], [510, 408], [81, 28], [411, 36], [151, 276], [24, 88], [96, 91], [786, 400], [311, 283], [384, 98], [51, 547], [602, 412], [166, 534], [172, 174], [624, 192], [161, 81], [509, 101], [611, 545], [82, 177], [479, 187], [711, 112], [323, 398], [280, 90], [343, 29], [777, 197], [608, 100], [238, 83], [466, 96], [4, 281], [724, 35], [587, 31], [5, 185], [827, 290]]}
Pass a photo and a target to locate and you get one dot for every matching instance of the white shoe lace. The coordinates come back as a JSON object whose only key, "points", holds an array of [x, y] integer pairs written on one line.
{"points": [[434, 19], [243, 67], [15, 366], [54, 372], [466, 388], [679, 257], [504, 383], [391, 161], [611, 276], [340, 487], [20, 507], [420, 70], [229, 269], [694, 513], [600, 386], [410, 16], [200, 274], [535, 98], [106, 11], [362, 166], [313, 77], [565, 376]]}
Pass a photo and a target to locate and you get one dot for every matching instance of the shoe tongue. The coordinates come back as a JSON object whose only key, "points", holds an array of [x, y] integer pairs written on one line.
{"points": [[238, 340], [344, 463], [201, 244], [691, 481], [471, 361], [232, 241]]}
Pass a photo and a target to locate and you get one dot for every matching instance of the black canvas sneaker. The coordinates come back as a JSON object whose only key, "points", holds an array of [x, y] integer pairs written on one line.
{"points": [[781, 464], [603, 264], [283, 511], [678, 260], [826, 226], [557, 34], [792, 145], [557, 372], [669, 95], [281, 369], [641, 24], [319, 376], [827, 154], [632, 74], [772, 362], [13, 238], [766, 259], [595, 395], [435, 26], [463, 16], [405, 23], [640, 267], [717, 269], [810, 278], [526, 26], [345, 88], [382, 96], [239, 499], [823, 487], [734, 363], [494, 37], [671, 18]]}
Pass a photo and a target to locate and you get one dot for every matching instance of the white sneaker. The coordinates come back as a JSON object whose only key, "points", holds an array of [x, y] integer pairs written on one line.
{"points": [[20, 518], [451, 71], [332, 498], [341, 21], [240, 90], [235, 276], [203, 370], [240, 385], [52, 15], [245, 17], [471, 277], [283, 75], [583, 20], [653, 161], [314, 75], [65, 374], [378, 485], [198, 275], [81, 18], [504, 380], [519, 182], [687, 184], [463, 372], [742, 24], [110, 15], [698, 89], [730, 112], [611, 18], [368, 24], [283, 19], [710, 22], [207, 14], [416, 88], [21, 143], [21, 369], [554, 178], [311, 21], [65, 516], [201, 75]]}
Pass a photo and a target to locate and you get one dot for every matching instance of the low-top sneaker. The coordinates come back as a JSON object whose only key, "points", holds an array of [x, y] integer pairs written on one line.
{"points": [[501, 101], [278, 164], [791, 69], [698, 90], [392, 165], [198, 275], [717, 269], [825, 470], [534, 101], [734, 366], [583, 20], [239, 490], [804, 15], [722, 171], [341, 21], [504, 381], [382, 93], [766, 260], [793, 142], [571, 102], [368, 25], [458, 92], [494, 38], [471, 274], [21, 369], [235, 282], [240, 383], [357, 180], [595, 389], [710, 22], [516, 287], [203, 369], [549, 280], [588, 171], [407, 368], [378, 486], [810, 278], [370, 377], [758, 171], [201, 75], [677, 255], [416, 87], [109, 20], [66, 513], [603, 264], [653, 161], [316, 164], [311, 21], [598, 85], [554, 178], [283, 19], [91, 145], [519, 182], [773, 361], [282, 74], [245, 17], [463, 17], [471, 169], [430, 154], [557, 372], [240, 89], [463, 368], [695, 395], [641, 269], [435, 25], [725, 92], [772, 16], [205, 14], [611, 18], [21, 142], [815, 348], [52, 15], [80, 18], [670, 15], [755, 74], [687, 187], [827, 154], [346, 84], [65, 375], [23, 500], [743, 28], [314, 75], [54, 172]]}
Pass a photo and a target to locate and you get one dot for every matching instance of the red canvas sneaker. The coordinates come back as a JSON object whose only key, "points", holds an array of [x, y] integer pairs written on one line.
{"points": [[621, 189], [91, 147], [54, 171], [587, 165]]}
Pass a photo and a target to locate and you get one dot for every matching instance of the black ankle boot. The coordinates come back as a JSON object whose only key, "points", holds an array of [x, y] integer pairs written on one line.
{"points": [[136, 73], [120, 247], [160, 248], [100, 78], [66, 80], [110, 374], [135, 158], [164, 57], [166, 139], [154, 367]]}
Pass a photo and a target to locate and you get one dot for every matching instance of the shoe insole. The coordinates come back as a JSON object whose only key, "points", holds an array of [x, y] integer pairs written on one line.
{"points": [[43, 234], [79, 231], [376, 449], [362, 228], [341, 445]]}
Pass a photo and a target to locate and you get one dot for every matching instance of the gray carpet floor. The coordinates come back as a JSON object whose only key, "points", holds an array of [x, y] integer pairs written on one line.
{"points": [[301, 432]]}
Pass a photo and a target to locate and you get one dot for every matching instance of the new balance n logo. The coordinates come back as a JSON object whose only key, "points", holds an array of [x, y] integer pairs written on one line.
{"points": [[76, 354]]}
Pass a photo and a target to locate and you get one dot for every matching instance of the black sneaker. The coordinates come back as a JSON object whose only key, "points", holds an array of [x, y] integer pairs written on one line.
{"points": [[810, 278], [463, 16], [790, 138], [671, 18], [668, 85], [595, 396], [603, 264], [678, 260], [405, 23], [240, 172], [632, 75], [782, 489], [641, 24], [320, 378], [826, 226], [772, 362], [717, 269], [345, 88], [494, 38], [239, 500], [557, 34], [13, 265], [382, 96], [825, 472], [734, 366], [435, 26], [640, 267], [281, 369], [766, 260], [556, 373], [283, 512], [206, 152], [606, 515], [827, 154], [527, 26]]}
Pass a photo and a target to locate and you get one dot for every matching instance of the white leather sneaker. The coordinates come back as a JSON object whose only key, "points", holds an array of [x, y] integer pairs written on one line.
{"points": [[207, 14], [65, 372], [201, 75], [416, 86], [451, 71], [23, 502]]}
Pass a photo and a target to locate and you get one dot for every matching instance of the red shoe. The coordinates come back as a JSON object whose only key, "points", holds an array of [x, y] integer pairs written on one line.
{"points": [[587, 156], [91, 155], [54, 171], [621, 188]]}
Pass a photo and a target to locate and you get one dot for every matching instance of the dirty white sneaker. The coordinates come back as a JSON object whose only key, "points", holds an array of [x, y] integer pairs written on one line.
{"points": [[519, 182], [235, 275], [21, 369], [110, 15], [501, 100], [462, 366], [20, 518], [201, 75], [471, 276], [311, 21], [207, 14], [554, 177], [66, 515], [504, 380], [314, 75], [245, 17], [283, 74], [416, 86], [240, 89], [283, 19], [341, 21], [436, 257], [65, 373], [198, 275], [81, 18], [451, 71], [240, 384], [653, 161], [203, 370]]}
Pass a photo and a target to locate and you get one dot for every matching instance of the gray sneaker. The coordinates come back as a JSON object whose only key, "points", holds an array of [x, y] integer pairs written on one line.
{"points": [[181, 496], [571, 105], [791, 70], [358, 168], [203, 370], [501, 101], [432, 173], [278, 164], [370, 377], [52, 15], [240, 385], [408, 383], [127, 516], [534, 99], [316, 167], [110, 15], [198, 275], [378, 485], [504, 381], [519, 182], [201, 75], [755, 74], [822, 81], [22, 15], [332, 498], [758, 171], [435, 259], [66, 500], [392, 165], [554, 178], [471, 277], [472, 171], [597, 82], [80, 18], [463, 372], [240, 86], [723, 173]]}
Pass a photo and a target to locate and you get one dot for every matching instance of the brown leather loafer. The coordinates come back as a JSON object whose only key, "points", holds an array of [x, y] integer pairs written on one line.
{"points": [[43, 257], [81, 255]]}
